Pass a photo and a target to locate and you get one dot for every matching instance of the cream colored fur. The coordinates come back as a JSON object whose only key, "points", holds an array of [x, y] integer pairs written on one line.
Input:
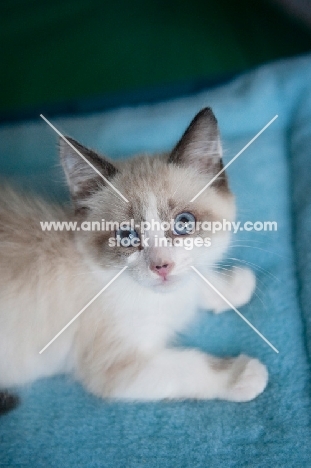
{"points": [[122, 345]]}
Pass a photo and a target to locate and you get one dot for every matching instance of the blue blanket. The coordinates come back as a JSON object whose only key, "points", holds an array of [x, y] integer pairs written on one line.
{"points": [[59, 425]]}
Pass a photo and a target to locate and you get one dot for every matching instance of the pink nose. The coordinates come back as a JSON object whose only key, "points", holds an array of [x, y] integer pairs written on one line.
{"points": [[162, 270]]}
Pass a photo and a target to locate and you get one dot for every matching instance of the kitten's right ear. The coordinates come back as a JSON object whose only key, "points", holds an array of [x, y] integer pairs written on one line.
{"points": [[83, 171]]}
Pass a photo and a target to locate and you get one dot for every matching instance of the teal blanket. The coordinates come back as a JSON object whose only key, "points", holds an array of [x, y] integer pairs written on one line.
{"points": [[59, 425]]}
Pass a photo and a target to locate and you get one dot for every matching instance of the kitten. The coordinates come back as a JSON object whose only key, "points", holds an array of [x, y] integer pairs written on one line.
{"points": [[121, 347]]}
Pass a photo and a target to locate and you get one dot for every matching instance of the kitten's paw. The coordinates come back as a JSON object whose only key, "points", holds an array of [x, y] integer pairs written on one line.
{"points": [[243, 285], [249, 378], [240, 289]]}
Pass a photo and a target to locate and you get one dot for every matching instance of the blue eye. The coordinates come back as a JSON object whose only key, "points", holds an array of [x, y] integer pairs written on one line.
{"points": [[127, 237], [184, 224]]}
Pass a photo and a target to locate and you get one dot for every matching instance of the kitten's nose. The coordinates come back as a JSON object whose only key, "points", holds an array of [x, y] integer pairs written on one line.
{"points": [[163, 269]]}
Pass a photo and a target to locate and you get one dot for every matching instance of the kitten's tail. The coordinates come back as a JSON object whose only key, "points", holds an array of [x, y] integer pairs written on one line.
{"points": [[7, 402]]}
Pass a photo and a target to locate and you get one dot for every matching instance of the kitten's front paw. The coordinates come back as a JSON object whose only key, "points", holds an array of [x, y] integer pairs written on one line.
{"points": [[249, 378], [243, 285], [240, 289]]}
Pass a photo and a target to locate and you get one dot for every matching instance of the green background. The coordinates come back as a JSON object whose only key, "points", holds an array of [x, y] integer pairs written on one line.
{"points": [[54, 51]]}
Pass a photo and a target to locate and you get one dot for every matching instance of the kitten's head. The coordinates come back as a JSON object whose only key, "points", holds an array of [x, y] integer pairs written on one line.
{"points": [[158, 189]]}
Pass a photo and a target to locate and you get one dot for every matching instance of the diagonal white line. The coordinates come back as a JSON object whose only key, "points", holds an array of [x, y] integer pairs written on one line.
{"points": [[82, 310], [84, 158], [235, 157], [235, 310]]}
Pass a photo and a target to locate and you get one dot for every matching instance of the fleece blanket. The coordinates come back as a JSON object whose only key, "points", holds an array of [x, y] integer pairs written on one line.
{"points": [[58, 424]]}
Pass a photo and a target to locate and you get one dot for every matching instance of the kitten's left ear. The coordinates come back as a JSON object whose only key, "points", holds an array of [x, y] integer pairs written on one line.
{"points": [[200, 146]]}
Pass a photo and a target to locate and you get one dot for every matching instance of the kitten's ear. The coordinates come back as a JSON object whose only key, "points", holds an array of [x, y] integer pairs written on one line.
{"points": [[84, 173], [200, 146]]}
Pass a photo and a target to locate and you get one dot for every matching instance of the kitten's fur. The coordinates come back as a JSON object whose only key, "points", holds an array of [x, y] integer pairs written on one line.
{"points": [[121, 346]]}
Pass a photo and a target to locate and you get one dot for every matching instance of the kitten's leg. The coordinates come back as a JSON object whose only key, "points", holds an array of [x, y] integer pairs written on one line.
{"points": [[180, 374], [238, 288]]}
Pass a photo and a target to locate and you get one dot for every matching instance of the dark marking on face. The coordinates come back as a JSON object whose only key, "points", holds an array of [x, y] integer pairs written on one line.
{"points": [[130, 212], [171, 204]]}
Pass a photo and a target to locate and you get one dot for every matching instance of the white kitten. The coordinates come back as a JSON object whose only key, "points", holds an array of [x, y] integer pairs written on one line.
{"points": [[121, 346]]}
